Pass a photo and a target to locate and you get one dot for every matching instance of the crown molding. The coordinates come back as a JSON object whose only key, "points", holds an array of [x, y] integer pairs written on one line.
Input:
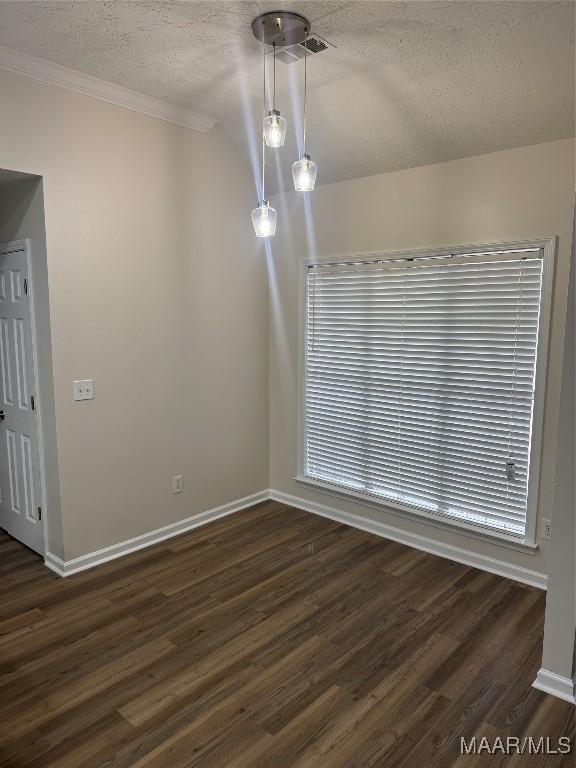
{"points": [[86, 85]]}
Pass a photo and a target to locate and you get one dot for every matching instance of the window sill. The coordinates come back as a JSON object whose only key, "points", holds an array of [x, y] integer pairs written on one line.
{"points": [[419, 515]]}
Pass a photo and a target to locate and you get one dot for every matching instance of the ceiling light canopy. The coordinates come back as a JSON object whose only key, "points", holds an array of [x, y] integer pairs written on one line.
{"points": [[280, 29]]}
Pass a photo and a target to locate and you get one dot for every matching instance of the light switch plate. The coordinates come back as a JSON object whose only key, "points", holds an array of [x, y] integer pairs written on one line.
{"points": [[84, 389]]}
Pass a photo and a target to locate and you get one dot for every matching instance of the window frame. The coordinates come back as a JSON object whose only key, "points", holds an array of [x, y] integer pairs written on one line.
{"points": [[548, 246]]}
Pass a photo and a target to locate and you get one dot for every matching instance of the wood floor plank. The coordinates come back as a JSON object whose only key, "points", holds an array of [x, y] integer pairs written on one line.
{"points": [[271, 638]]}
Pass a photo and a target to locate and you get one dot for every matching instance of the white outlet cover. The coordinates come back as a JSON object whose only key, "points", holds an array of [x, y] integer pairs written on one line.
{"points": [[84, 389]]}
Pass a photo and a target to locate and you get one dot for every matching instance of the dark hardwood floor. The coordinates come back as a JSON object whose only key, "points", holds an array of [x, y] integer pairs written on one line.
{"points": [[270, 638]]}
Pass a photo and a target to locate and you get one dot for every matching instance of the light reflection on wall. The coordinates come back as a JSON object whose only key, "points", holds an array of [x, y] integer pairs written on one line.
{"points": [[294, 208]]}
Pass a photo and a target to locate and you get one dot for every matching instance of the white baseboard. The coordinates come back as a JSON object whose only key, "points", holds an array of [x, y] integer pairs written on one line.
{"points": [[499, 567], [77, 564], [562, 687]]}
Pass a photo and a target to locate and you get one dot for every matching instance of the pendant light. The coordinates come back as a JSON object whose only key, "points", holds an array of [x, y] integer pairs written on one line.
{"points": [[264, 216], [283, 28], [264, 219], [274, 123], [304, 169]]}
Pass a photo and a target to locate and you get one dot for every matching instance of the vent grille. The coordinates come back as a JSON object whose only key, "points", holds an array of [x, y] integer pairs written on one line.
{"points": [[314, 45], [294, 53]]}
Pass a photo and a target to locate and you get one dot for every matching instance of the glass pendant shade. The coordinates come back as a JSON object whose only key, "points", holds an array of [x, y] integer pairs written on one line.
{"points": [[264, 220], [304, 174], [274, 129]]}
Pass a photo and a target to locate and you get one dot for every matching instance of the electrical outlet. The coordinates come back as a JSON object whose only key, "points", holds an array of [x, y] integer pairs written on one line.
{"points": [[84, 389], [546, 529], [177, 484]]}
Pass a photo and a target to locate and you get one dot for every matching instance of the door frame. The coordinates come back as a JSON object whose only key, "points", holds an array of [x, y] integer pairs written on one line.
{"points": [[25, 245]]}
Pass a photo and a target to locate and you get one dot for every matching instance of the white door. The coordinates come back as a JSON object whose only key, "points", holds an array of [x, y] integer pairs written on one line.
{"points": [[20, 489]]}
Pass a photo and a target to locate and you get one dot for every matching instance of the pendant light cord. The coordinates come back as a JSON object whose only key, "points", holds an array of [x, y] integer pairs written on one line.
{"points": [[263, 118], [274, 86], [305, 87]]}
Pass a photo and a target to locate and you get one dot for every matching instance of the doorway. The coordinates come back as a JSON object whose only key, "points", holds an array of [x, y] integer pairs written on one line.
{"points": [[29, 475], [21, 489]]}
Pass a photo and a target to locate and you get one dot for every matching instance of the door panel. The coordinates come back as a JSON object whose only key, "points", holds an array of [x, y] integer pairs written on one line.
{"points": [[20, 490]]}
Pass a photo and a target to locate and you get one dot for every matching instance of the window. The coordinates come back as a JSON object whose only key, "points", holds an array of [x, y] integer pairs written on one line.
{"points": [[420, 382]]}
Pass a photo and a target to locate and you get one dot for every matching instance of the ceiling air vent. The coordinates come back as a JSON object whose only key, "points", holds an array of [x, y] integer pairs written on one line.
{"points": [[314, 44]]}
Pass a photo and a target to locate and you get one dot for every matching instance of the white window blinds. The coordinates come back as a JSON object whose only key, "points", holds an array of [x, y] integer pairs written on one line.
{"points": [[419, 382]]}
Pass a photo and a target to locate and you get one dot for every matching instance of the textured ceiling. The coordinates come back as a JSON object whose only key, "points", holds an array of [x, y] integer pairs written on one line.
{"points": [[407, 83]]}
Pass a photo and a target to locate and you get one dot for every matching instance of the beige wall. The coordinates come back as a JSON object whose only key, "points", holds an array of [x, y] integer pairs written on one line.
{"points": [[513, 195], [157, 292]]}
